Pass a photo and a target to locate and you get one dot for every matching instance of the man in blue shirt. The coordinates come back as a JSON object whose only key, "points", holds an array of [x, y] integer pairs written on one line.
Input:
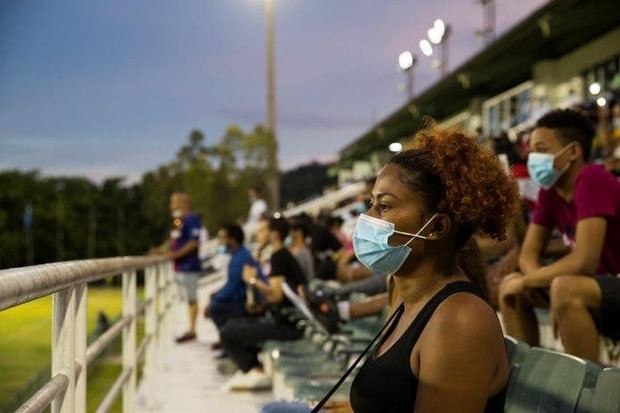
{"points": [[184, 243], [230, 300]]}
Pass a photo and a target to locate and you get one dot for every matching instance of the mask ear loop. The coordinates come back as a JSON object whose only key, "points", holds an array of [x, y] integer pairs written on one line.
{"points": [[417, 234], [562, 151]]}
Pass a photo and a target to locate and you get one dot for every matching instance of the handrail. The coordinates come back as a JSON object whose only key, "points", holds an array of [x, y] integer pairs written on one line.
{"points": [[43, 398], [20, 285], [114, 391], [67, 282], [141, 351], [104, 340]]}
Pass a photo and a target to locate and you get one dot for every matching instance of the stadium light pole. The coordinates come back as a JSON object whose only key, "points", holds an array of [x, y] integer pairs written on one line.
{"points": [[406, 63], [274, 183]]}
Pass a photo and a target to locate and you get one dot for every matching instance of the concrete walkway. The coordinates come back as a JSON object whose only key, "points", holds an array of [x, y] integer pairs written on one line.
{"points": [[186, 380]]}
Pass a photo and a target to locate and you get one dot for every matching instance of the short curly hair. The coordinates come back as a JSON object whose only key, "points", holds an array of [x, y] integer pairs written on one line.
{"points": [[458, 177]]}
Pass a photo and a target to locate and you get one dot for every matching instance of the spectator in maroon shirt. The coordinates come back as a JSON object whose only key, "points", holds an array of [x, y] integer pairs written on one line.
{"points": [[582, 201]]}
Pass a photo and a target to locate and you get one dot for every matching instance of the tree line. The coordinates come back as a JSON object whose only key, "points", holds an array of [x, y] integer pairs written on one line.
{"points": [[46, 219]]}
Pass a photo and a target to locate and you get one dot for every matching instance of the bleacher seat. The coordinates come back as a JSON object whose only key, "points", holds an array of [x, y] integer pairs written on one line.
{"points": [[549, 382], [517, 350], [605, 396]]}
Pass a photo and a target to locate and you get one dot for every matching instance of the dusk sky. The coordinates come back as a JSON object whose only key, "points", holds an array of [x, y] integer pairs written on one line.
{"points": [[109, 88]]}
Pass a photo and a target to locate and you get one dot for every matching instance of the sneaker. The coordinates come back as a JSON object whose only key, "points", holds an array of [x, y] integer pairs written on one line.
{"points": [[252, 380], [189, 336], [226, 367], [216, 346]]}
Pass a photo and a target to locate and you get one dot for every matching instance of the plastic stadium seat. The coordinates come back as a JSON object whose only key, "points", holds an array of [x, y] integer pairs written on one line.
{"points": [[605, 397], [517, 350], [549, 382]]}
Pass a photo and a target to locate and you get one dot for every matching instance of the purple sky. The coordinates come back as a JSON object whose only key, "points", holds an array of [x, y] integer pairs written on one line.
{"points": [[114, 88]]}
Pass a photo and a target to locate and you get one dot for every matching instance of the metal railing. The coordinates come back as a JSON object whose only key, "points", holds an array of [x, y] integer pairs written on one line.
{"points": [[67, 283]]}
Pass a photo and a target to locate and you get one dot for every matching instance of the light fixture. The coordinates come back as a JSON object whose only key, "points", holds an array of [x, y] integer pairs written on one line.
{"points": [[434, 36], [405, 60], [435, 33], [440, 26], [395, 147], [601, 102], [595, 88], [426, 47], [277, 215]]}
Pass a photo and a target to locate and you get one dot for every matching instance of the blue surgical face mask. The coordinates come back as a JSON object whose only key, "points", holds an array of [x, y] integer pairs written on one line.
{"points": [[222, 249], [360, 207], [288, 241], [541, 170], [370, 242]]}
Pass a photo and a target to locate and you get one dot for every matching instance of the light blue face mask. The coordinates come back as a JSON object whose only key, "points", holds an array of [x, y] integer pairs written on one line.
{"points": [[541, 170], [288, 241], [370, 242], [222, 249], [360, 207]]}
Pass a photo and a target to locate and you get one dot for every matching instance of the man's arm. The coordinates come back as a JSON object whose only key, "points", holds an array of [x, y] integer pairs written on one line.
{"points": [[583, 260], [536, 240], [186, 249], [371, 306], [271, 289]]}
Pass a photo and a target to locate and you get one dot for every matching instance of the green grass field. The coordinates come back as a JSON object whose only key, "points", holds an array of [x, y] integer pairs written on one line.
{"points": [[25, 344]]}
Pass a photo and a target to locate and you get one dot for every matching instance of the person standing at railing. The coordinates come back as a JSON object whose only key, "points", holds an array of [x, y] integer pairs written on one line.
{"points": [[184, 242], [258, 209]]}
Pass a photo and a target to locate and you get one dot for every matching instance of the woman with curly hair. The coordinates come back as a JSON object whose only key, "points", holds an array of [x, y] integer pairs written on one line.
{"points": [[443, 350]]}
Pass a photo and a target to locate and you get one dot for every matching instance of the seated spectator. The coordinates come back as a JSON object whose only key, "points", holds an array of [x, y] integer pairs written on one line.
{"points": [[229, 301], [324, 247], [298, 234], [582, 201], [262, 247], [426, 205], [335, 226], [349, 269], [242, 338]]}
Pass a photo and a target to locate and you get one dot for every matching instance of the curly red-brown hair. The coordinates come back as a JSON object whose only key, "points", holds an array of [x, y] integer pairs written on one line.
{"points": [[458, 177]]}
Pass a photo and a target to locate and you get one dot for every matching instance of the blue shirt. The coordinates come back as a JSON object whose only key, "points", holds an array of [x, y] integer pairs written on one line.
{"points": [[189, 230], [234, 289]]}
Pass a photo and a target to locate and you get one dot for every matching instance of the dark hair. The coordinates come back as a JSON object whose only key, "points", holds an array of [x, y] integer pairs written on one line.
{"points": [[571, 126], [459, 178], [235, 232], [280, 225], [333, 221], [503, 145], [299, 226], [257, 189]]}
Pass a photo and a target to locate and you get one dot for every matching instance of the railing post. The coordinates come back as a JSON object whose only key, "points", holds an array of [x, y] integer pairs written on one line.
{"points": [[63, 347], [81, 335], [129, 341], [150, 315], [161, 305], [170, 298]]}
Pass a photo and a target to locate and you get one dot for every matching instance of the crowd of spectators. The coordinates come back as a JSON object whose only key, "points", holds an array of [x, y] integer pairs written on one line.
{"points": [[561, 252]]}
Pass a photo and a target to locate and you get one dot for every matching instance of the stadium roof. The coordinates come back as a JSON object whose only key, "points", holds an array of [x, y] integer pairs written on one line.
{"points": [[552, 31]]}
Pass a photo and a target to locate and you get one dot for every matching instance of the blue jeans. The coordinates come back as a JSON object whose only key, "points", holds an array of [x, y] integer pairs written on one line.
{"points": [[286, 407]]}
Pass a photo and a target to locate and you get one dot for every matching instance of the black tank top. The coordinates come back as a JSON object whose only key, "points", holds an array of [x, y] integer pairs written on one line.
{"points": [[386, 383]]}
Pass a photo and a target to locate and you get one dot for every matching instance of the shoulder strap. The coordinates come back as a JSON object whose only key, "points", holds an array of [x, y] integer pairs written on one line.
{"points": [[329, 394], [422, 319]]}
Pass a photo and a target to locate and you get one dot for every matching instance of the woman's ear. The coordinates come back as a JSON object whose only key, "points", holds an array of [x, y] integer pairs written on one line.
{"points": [[440, 227]]}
